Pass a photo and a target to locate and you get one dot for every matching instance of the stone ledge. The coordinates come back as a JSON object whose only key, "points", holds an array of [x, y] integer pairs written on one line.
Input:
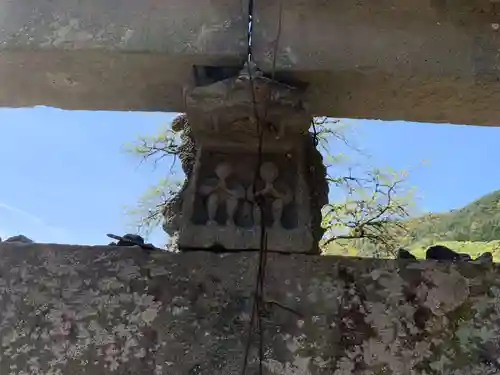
{"points": [[435, 61], [112, 55], [220, 27], [104, 80], [86, 310], [99, 80]]}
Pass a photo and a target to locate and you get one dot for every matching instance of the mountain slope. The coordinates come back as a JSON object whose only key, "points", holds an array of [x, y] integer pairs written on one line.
{"points": [[472, 229], [478, 221]]}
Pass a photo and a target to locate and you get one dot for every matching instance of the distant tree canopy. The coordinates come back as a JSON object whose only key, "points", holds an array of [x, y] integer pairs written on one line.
{"points": [[368, 205], [478, 221]]}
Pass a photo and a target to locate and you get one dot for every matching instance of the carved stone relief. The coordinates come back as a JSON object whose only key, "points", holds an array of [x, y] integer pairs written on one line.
{"points": [[226, 196], [273, 196], [250, 169], [218, 193]]}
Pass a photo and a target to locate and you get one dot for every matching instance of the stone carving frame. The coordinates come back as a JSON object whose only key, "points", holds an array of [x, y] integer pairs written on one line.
{"points": [[238, 126], [245, 234]]}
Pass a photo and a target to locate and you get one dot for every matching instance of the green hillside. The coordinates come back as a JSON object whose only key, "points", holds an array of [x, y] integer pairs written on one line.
{"points": [[478, 221], [472, 229]]}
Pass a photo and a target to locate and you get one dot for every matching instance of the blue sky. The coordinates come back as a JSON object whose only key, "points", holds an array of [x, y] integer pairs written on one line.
{"points": [[64, 175]]}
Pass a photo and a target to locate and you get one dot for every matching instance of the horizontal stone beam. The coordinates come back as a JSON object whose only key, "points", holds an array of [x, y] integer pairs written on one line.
{"points": [[111, 55], [108, 310], [98, 79], [434, 61]]}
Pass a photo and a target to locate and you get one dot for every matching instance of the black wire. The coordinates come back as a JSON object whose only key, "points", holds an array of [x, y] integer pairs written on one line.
{"points": [[258, 307], [250, 28], [261, 310], [315, 134]]}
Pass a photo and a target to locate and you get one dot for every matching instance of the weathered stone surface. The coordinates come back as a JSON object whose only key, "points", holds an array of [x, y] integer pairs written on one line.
{"points": [[98, 79], [108, 310], [252, 161], [432, 61], [107, 54], [154, 26]]}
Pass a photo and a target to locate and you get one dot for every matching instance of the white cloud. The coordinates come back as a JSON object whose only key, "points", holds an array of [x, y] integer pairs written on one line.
{"points": [[31, 226], [18, 211]]}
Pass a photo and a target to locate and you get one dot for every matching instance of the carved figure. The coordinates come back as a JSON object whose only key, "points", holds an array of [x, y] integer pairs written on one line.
{"points": [[270, 194], [218, 191]]}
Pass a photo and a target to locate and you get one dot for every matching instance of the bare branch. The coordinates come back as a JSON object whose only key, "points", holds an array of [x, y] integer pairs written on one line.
{"points": [[372, 211], [148, 212]]}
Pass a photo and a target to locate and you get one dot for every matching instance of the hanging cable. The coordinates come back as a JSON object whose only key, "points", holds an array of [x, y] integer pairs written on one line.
{"points": [[250, 30], [258, 306]]}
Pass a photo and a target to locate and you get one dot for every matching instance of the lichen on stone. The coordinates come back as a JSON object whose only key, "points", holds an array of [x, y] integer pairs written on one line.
{"points": [[49, 319], [96, 311]]}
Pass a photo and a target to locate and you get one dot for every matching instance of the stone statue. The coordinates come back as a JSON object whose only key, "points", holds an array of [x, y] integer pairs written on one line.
{"points": [[270, 194], [217, 191]]}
